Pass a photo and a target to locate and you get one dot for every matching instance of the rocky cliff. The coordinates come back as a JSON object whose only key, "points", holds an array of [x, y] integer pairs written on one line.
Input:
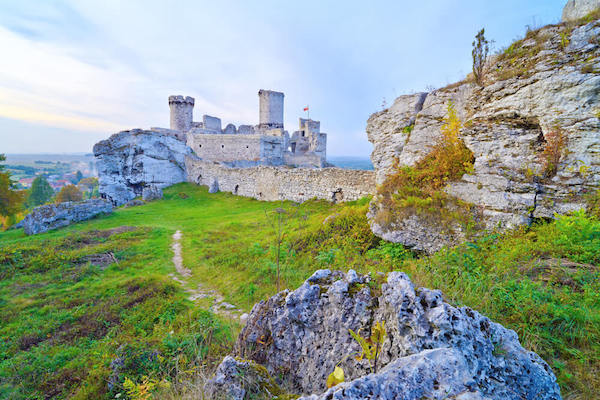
{"points": [[139, 163], [539, 100], [432, 350], [577, 9]]}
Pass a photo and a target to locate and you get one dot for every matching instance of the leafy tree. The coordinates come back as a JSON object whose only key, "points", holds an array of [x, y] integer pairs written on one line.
{"points": [[10, 200], [69, 193], [89, 187], [481, 49], [41, 192], [78, 176]]}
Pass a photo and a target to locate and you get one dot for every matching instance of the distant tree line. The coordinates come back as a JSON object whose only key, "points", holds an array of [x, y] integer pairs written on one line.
{"points": [[15, 203]]}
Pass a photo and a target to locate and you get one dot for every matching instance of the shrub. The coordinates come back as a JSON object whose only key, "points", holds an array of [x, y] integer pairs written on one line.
{"points": [[593, 203], [481, 49], [69, 193], [11, 200], [554, 150], [564, 39], [420, 187]]}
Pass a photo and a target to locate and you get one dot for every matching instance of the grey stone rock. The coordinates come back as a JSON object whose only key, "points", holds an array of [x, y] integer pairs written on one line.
{"points": [[419, 233], [129, 161], [431, 374], [432, 349], [576, 9], [53, 216], [239, 380], [390, 130], [506, 126], [152, 192], [214, 187], [134, 203], [18, 225]]}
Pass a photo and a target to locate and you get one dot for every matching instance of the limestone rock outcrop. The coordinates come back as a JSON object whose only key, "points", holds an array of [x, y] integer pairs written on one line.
{"points": [[545, 85], [576, 9], [53, 216], [431, 349], [131, 162]]}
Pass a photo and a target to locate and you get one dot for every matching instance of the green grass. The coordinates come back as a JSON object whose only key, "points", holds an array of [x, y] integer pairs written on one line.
{"points": [[69, 327]]}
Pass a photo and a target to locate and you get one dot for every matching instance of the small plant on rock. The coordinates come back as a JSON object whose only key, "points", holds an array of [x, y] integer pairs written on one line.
{"points": [[554, 151], [371, 349]]}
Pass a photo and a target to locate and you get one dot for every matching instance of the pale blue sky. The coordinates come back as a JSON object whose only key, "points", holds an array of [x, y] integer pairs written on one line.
{"points": [[74, 72]]}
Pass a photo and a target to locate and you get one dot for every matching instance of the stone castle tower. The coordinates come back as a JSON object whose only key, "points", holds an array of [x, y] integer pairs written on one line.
{"points": [[270, 109], [182, 109]]}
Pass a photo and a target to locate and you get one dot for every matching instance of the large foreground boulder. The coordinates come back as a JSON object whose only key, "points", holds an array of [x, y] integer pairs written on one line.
{"points": [[431, 349], [52, 216], [132, 163]]}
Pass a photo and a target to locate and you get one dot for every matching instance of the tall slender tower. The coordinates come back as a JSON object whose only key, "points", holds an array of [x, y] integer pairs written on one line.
{"points": [[270, 109], [182, 109]]}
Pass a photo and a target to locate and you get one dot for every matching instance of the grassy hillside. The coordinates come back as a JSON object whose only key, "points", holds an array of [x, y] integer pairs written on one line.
{"points": [[90, 311]]}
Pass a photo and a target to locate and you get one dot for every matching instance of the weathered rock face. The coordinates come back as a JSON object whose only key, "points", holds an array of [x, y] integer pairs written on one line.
{"points": [[152, 192], [542, 85], [130, 161], [431, 350], [52, 216], [389, 130], [576, 9]]}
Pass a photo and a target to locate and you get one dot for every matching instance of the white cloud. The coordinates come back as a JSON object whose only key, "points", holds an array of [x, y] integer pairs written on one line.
{"points": [[98, 67]]}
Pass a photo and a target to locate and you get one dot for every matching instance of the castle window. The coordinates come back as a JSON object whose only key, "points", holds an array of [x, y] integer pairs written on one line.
{"points": [[247, 146], [222, 146]]}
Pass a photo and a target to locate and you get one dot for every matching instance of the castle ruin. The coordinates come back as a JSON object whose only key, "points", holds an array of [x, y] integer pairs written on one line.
{"points": [[267, 143], [262, 161]]}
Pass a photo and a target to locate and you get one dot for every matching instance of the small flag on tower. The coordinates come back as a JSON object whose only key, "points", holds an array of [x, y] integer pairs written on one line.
{"points": [[306, 108]]}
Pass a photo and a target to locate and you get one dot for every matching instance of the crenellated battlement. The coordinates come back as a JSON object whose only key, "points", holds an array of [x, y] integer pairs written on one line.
{"points": [[178, 99]]}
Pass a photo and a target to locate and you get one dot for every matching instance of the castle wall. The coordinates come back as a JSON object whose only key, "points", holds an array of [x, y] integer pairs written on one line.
{"points": [[303, 160], [225, 147], [277, 183], [237, 148]]}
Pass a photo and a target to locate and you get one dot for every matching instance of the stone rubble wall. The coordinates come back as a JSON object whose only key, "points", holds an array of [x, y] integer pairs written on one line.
{"points": [[53, 216], [281, 183]]}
